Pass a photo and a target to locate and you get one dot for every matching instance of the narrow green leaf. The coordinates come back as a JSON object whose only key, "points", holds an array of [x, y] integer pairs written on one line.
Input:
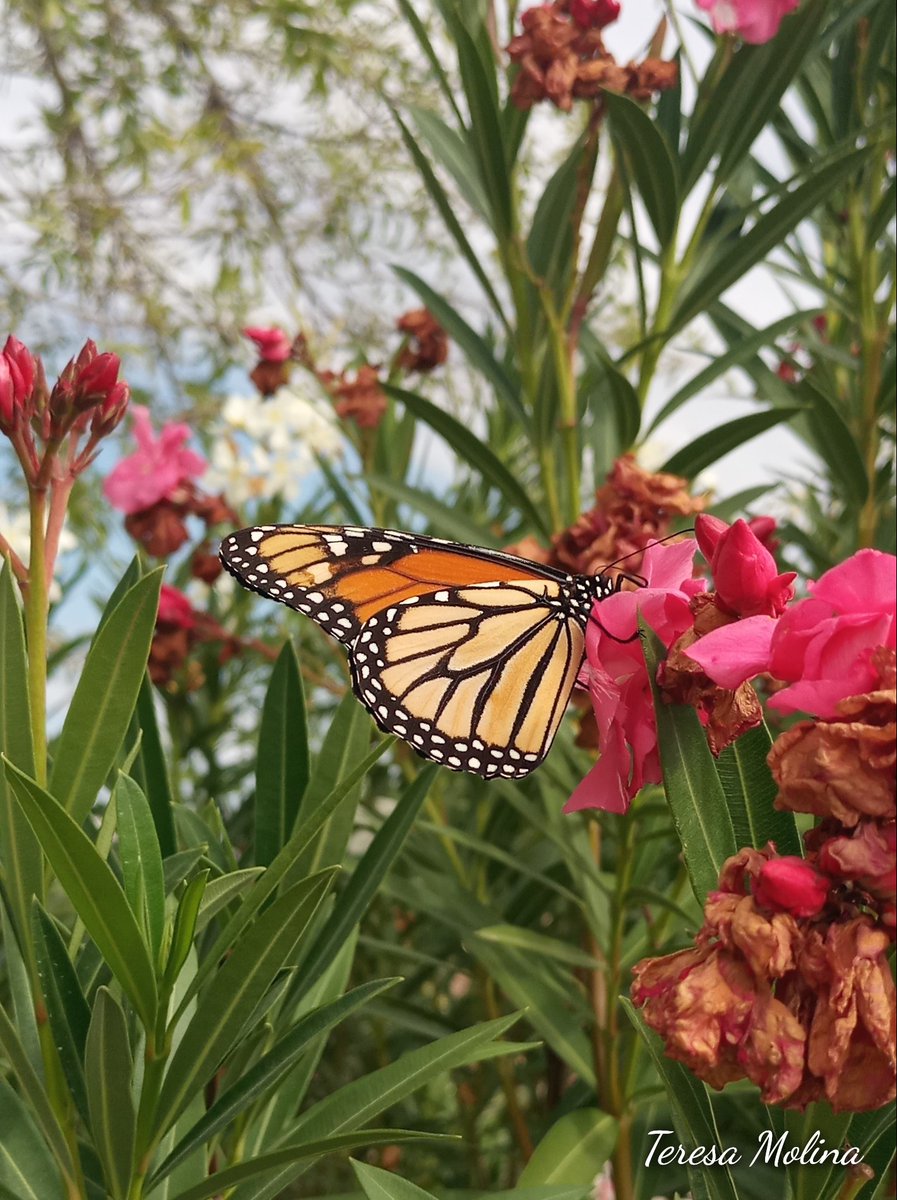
{"points": [[693, 1117], [303, 836], [33, 1093], [26, 1167], [289, 1156], [154, 769], [178, 866], [518, 937], [105, 698], [474, 452], [108, 1068], [553, 999], [19, 850], [386, 1185], [224, 1008], [835, 443], [409, 12], [574, 1149], [485, 132], [738, 354], [67, 1010], [269, 1070], [693, 789], [734, 260], [141, 861], [711, 446], [475, 349], [650, 163], [93, 890], [450, 148], [282, 770], [550, 242], [220, 892], [132, 576], [750, 791], [185, 921], [447, 212], [355, 898]]}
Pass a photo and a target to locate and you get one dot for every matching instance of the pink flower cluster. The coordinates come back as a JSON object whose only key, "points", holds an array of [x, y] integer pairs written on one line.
{"points": [[158, 468], [822, 647]]}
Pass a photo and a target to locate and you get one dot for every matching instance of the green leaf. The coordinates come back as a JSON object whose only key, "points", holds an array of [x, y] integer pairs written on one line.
{"points": [[154, 769], [452, 151], [693, 789], [835, 443], [93, 890], [355, 898], [474, 452], [108, 1068], [105, 698], [345, 743], [733, 260], [220, 892], [475, 349], [443, 520], [281, 774], [67, 1010], [289, 1156], [650, 163], [710, 447], [269, 1070], [553, 999], [447, 212], [185, 921], [518, 937], [33, 1093], [410, 14], [740, 105], [738, 354], [750, 791], [26, 1168], [692, 1114], [549, 246], [19, 850], [238, 988], [385, 1185], [141, 861], [303, 836], [574, 1149]]}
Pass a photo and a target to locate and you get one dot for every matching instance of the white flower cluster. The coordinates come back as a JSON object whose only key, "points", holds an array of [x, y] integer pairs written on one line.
{"points": [[266, 448]]}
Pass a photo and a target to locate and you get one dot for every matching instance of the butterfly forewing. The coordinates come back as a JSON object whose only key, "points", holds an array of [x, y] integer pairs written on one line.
{"points": [[475, 678], [468, 654]]}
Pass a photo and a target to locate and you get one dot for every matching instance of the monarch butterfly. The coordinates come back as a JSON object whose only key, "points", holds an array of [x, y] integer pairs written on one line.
{"points": [[467, 654]]}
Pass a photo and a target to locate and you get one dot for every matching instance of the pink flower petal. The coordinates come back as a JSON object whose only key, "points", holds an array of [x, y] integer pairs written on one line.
{"points": [[735, 652]]}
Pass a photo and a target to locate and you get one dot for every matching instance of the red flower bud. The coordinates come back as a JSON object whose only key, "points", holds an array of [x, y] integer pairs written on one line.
{"points": [[18, 368], [745, 573], [109, 412], [708, 531], [594, 14], [96, 380], [791, 885], [273, 344]]}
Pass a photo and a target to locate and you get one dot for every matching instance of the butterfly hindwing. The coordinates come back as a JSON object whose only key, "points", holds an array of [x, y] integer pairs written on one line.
{"points": [[475, 677]]}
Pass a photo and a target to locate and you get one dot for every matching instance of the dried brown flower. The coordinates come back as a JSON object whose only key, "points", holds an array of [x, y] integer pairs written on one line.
{"points": [[361, 399], [429, 342]]}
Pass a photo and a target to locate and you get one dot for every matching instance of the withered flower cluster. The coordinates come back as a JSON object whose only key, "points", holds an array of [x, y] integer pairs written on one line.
{"points": [[562, 60], [788, 984], [427, 346]]}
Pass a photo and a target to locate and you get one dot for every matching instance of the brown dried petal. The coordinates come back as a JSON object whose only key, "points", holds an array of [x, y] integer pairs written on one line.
{"points": [[160, 529]]}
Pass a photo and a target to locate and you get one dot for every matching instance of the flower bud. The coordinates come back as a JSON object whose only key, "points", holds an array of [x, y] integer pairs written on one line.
{"points": [[273, 344], [17, 372], [594, 14], [109, 412], [791, 885], [708, 531], [746, 577]]}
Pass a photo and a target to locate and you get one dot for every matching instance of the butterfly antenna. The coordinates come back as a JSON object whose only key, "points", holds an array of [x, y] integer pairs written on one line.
{"points": [[638, 580], [642, 549]]}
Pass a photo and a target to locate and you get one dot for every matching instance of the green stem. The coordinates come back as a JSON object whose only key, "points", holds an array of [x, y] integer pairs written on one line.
{"points": [[36, 610]]}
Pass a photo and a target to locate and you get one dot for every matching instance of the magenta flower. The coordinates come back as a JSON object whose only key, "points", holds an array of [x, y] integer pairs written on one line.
{"points": [[747, 579], [755, 21], [615, 674], [822, 646], [17, 372], [273, 344], [175, 608], [594, 14], [158, 468], [792, 885]]}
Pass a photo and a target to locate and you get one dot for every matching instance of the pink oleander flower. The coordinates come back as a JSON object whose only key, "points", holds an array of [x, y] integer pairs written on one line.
{"points": [[754, 21], [822, 646], [615, 674], [745, 574], [175, 608], [17, 372], [791, 885], [158, 468], [273, 344]]}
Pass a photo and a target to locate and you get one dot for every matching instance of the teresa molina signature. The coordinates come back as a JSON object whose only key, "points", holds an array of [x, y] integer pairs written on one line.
{"points": [[770, 1150]]}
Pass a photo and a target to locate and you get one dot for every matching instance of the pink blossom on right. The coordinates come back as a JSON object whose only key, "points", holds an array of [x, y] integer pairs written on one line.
{"points": [[158, 468], [754, 21], [821, 646]]}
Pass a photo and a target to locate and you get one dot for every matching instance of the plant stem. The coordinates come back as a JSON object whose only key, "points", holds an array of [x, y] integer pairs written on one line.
{"points": [[36, 609]]}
